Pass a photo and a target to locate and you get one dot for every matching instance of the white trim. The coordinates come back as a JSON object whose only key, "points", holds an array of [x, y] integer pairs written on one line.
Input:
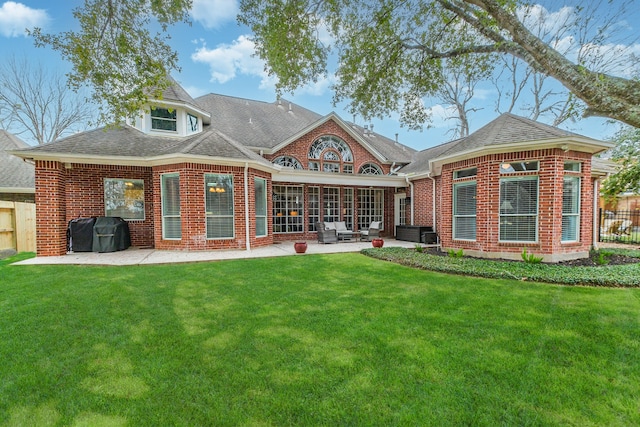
{"points": [[21, 190], [247, 234], [327, 178]]}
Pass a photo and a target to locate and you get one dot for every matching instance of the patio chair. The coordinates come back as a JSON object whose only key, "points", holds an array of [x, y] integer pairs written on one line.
{"points": [[372, 232], [342, 231], [326, 235]]}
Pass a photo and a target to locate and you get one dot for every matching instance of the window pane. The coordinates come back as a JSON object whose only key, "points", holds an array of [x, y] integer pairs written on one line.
{"points": [[288, 215], [519, 209], [124, 198], [370, 207], [570, 208], [314, 207], [261, 206], [171, 221], [464, 211], [219, 205], [465, 173], [519, 166], [163, 119]]}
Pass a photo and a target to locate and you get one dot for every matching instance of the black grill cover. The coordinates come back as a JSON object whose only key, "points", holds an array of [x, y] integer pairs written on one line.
{"points": [[80, 234], [110, 234]]}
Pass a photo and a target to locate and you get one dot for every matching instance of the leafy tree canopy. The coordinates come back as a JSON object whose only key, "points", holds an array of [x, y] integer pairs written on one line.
{"points": [[627, 155], [390, 53], [115, 52]]}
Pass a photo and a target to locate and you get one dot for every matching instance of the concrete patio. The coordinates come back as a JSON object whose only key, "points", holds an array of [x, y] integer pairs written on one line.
{"points": [[137, 256]]}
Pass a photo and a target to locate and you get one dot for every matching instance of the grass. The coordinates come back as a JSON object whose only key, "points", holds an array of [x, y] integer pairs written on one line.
{"points": [[312, 340], [627, 275]]}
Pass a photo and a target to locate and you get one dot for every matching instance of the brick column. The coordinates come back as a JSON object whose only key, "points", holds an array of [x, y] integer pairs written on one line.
{"points": [[51, 221]]}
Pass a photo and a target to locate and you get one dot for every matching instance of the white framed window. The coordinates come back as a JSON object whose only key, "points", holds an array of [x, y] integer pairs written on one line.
{"points": [[330, 154], [370, 169], [572, 166], [465, 173], [192, 123], [288, 209], [124, 198], [519, 209], [218, 191], [260, 188], [520, 166], [163, 119], [370, 207], [313, 198], [170, 193], [331, 204], [347, 207], [464, 210], [571, 209], [288, 161]]}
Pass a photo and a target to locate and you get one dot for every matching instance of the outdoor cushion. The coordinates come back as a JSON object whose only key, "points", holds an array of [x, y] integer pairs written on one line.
{"points": [[341, 226], [329, 226]]}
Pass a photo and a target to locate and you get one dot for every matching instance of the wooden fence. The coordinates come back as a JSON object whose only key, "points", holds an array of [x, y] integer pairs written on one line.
{"points": [[18, 226]]}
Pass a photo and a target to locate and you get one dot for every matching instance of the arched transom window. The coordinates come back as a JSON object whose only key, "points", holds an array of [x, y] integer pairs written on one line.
{"points": [[370, 169], [330, 154], [287, 161]]}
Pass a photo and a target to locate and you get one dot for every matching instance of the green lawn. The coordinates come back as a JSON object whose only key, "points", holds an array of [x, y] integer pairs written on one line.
{"points": [[311, 340]]}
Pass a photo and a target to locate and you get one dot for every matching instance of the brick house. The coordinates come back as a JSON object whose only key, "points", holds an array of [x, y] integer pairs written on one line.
{"points": [[220, 172]]}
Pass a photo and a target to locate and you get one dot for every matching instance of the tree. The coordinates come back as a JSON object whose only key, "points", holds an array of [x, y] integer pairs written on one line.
{"points": [[627, 155], [38, 102], [116, 54], [389, 52]]}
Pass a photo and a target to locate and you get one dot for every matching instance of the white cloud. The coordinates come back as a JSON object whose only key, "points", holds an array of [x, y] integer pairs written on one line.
{"points": [[214, 13], [15, 17], [228, 61], [440, 115]]}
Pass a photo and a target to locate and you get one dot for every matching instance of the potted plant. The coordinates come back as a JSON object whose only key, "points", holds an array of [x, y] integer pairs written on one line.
{"points": [[300, 247], [377, 242]]}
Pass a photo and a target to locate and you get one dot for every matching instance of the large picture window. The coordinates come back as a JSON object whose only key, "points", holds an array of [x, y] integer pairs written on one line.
{"points": [[313, 207], [370, 206], [519, 209], [571, 209], [124, 198], [331, 204], [219, 205], [170, 193], [287, 209], [261, 206], [464, 210]]}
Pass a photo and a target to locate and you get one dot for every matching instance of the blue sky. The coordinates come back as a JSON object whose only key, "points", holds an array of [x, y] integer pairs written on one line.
{"points": [[216, 57]]}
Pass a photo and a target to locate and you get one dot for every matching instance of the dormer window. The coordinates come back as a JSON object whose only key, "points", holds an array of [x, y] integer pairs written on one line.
{"points": [[192, 123], [164, 119]]}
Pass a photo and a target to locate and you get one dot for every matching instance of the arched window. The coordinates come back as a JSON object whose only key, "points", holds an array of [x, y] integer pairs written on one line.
{"points": [[370, 169], [287, 161], [330, 154]]}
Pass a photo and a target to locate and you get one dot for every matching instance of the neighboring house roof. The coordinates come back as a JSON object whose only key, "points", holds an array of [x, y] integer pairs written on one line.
{"points": [[16, 175], [130, 146], [506, 133]]}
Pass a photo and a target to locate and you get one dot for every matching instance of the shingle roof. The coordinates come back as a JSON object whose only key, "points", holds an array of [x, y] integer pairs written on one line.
{"points": [[128, 142], [506, 129], [14, 172], [267, 124]]}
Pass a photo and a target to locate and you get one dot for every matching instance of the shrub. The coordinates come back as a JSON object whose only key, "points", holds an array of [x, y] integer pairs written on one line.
{"points": [[530, 258], [419, 247], [455, 254]]}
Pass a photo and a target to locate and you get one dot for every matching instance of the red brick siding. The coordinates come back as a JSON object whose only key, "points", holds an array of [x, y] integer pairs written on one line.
{"points": [[550, 178], [51, 222], [192, 202], [299, 149]]}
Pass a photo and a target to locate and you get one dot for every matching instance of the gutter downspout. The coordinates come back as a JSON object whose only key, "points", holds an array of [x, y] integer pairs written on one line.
{"points": [[433, 201], [406, 178], [596, 224], [246, 207]]}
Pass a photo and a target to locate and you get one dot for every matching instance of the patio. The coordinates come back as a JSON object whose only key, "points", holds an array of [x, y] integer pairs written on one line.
{"points": [[138, 256]]}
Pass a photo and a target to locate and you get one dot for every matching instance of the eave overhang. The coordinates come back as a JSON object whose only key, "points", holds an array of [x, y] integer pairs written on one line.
{"points": [[69, 159], [581, 144]]}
